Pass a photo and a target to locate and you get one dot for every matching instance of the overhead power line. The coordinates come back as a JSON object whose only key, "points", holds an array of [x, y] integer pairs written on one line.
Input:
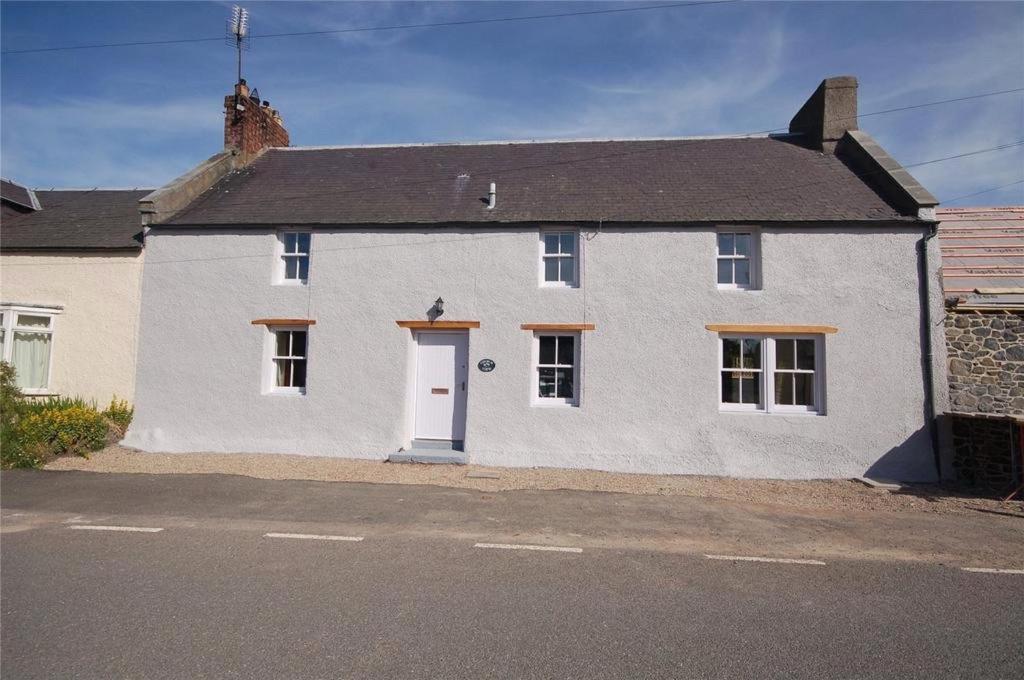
{"points": [[395, 27], [984, 191]]}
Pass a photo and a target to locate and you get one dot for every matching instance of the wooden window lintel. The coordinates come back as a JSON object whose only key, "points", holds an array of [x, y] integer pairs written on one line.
{"points": [[557, 326], [437, 325], [283, 322], [769, 328]]}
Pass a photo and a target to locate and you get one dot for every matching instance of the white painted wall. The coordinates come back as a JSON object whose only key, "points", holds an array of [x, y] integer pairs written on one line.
{"points": [[649, 386], [95, 338]]}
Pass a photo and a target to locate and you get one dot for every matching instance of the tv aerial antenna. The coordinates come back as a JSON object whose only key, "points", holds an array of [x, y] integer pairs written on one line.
{"points": [[236, 34]]}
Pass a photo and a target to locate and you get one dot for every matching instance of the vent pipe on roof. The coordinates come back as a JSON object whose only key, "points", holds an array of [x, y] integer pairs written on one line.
{"points": [[492, 196]]}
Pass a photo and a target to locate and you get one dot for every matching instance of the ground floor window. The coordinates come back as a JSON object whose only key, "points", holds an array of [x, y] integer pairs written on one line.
{"points": [[774, 374], [556, 368], [26, 343], [288, 360]]}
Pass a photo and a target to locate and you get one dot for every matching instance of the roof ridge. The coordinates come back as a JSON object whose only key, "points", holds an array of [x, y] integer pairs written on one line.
{"points": [[505, 142]]}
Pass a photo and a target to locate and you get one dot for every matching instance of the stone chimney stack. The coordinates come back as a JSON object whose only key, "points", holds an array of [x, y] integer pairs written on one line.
{"points": [[828, 113], [250, 126]]}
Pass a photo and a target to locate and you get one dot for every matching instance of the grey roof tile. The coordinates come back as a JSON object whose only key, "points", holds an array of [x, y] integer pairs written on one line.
{"points": [[77, 219], [688, 180]]}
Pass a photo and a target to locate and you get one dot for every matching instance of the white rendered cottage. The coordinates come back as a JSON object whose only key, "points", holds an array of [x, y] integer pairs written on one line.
{"points": [[753, 306]]}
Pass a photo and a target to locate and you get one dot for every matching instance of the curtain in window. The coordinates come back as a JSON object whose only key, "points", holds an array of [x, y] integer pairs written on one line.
{"points": [[30, 356]]}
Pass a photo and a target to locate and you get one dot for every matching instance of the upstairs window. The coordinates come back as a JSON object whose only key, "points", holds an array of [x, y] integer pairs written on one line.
{"points": [[774, 374], [737, 259], [556, 368], [288, 360], [293, 267], [559, 261], [26, 342]]}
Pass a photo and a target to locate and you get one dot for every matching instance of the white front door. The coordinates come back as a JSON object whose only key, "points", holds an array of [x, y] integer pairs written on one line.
{"points": [[441, 372]]}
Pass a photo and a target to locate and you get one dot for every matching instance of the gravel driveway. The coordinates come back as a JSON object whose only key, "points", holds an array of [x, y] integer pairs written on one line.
{"points": [[816, 494]]}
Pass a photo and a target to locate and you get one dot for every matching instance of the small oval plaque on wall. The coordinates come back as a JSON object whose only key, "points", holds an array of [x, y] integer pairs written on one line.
{"points": [[485, 365]]}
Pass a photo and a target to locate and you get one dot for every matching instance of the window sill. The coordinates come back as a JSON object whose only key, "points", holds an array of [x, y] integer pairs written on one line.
{"points": [[774, 414], [278, 393], [557, 286], [27, 392], [739, 289], [292, 282], [554, 404]]}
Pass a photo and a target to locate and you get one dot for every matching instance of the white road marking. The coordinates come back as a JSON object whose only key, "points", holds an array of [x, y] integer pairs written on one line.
{"points": [[315, 537], [778, 560], [515, 546], [989, 570], [94, 527]]}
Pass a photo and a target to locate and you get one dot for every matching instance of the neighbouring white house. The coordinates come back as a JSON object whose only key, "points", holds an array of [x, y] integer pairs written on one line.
{"points": [[70, 286], [753, 306]]}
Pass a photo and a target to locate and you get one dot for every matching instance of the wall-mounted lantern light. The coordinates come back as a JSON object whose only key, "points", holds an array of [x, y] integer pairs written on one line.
{"points": [[438, 307]]}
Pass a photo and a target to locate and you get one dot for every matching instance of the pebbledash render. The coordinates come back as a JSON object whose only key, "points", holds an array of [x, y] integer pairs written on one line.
{"points": [[756, 307]]}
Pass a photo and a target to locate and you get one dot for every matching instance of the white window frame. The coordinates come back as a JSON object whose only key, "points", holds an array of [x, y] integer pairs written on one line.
{"points": [[754, 258], [543, 257], [767, 396], [535, 366], [270, 385], [280, 258], [10, 314]]}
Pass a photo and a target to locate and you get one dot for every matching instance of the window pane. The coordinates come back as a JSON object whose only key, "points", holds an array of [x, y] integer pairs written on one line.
{"points": [[742, 272], [290, 243], [31, 359], [784, 353], [725, 271], [564, 381], [283, 376], [805, 354], [751, 353], [751, 388], [731, 387], [784, 388], [743, 244], [551, 269], [726, 244], [303, 243], [803, 389], [299, 373], [546, 382], [730, 353], [550, 243], [547, 349], [566, 345], [290, 268], [33, 321], [303, 268], [298, 343], [568, 242], [282, 344], [568, 269]]}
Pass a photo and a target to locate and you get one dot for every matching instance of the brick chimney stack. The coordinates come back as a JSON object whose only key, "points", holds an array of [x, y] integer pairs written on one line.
{"points": [[250, 126], [828, 113]]}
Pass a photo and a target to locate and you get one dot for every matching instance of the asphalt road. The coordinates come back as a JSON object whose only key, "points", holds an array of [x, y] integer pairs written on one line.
{"points": [[211, 596]]}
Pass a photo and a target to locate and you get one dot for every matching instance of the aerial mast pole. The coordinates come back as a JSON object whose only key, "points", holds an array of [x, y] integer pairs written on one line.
{"points": [[238, 33]]}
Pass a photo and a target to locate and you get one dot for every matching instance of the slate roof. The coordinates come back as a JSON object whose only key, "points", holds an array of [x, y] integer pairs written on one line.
{"points": [[17, 194], [660, 181], [983, 255], [77, 219]]}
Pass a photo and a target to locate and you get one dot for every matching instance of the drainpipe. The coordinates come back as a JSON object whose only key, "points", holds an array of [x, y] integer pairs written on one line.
{"points": [[931, 416], [492, 196]]}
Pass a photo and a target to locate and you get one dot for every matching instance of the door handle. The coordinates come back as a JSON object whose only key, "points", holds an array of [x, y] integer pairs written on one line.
{"points": [[463, 385]]}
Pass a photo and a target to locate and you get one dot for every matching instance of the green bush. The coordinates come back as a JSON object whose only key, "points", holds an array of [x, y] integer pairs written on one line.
{"points": [[120, 413], [75, 429], [12, 451]]}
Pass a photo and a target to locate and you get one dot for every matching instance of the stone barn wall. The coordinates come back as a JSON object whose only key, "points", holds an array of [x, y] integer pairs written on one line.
{"points": [[986, 361]]}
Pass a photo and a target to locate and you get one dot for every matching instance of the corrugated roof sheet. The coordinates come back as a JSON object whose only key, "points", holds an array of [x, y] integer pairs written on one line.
{"points": [[983, 254], [685, 180], [77, 219]]}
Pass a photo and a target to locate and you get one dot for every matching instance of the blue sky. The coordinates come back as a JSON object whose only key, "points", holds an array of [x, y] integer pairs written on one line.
{"points": [[139, 116]]}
